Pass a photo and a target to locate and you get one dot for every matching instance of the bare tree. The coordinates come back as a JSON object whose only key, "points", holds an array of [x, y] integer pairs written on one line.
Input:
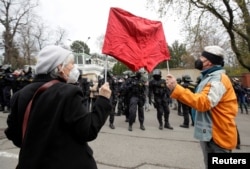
{"points": [[44, 35], [41, 35], [12, 17], [200, 36], [60, 35], [232, 17], [27, 41]]}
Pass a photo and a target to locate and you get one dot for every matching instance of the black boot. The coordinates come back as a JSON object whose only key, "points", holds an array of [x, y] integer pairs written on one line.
{"points": [[111, 125], [160, 126], [166, 121], [184, 126], [142, 127], [167, 125], [130, 128], [246, 109]]}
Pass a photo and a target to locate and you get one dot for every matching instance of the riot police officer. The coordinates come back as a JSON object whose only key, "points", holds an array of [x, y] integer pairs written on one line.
{"points": [[113, 98], [124, 93], [121, 98], [160, 91], [179, 106], [186, 79], [135, 89], [8, 82]]}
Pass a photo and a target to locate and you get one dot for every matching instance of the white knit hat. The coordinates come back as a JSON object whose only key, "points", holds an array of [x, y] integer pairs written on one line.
{"points": [[214, 54], [49, 58], [216, 50]]}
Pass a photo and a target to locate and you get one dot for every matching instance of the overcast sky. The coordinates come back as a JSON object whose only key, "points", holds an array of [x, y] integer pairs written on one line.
{"points": [[88, 18]]}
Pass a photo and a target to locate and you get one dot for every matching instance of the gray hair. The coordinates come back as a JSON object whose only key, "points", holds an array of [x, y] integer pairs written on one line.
{"points": [[55, 72]]}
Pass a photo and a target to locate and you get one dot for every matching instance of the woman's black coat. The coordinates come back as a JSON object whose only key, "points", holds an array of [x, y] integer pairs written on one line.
{"points": [[59, 127]]}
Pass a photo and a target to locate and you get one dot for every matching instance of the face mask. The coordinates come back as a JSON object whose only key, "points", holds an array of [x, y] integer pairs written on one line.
{"points": [[157, 77], [198, 64], [138, 75], [73, 75]]}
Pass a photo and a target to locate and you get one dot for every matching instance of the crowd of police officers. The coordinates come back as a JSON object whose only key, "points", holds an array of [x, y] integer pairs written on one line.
{"points": [[10, 82], [129, 94]]}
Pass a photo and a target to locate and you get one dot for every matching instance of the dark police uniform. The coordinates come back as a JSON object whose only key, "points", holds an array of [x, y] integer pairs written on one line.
{"points": [[113, 98], [159, 89], [125, 94], [8, 82], [135, 91], [121, 98], [185, 108]]}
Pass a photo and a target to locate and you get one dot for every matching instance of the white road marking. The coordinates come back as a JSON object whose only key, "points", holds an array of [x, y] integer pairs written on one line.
{"points": [[9, 155]]}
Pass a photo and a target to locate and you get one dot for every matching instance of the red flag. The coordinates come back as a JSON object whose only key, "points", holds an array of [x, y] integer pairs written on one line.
{"points": [[135, 41]]}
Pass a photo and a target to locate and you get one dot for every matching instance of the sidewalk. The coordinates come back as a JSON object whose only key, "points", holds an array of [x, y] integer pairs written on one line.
{"points": [[149, 149]]}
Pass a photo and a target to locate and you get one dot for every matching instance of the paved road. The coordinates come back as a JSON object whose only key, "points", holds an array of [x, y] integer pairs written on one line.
{"points": [[149, 149]]}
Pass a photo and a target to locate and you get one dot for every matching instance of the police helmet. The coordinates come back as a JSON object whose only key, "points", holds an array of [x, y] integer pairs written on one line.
{"points": [[139, 72], [186, 78], [127, 73], [236, 79], [5, 67], [157, 72], [178, 80]]}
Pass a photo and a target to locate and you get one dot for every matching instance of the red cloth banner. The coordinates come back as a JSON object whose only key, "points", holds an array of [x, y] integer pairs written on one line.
{"points": [[135, 41]]}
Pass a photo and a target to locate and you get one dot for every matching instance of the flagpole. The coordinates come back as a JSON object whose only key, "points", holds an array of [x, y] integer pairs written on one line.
{"points": [[105, 69], [167, 67]]}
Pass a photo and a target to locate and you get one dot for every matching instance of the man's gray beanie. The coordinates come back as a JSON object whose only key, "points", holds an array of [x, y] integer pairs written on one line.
{"points": [[49, 58]]}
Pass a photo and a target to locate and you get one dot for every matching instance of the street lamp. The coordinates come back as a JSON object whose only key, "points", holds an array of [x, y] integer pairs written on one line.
{"points": [[85, 44], [87, 40]]}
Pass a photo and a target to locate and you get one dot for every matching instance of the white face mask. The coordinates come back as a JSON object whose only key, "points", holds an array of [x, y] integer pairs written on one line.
{"points": [[73, 75]]}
